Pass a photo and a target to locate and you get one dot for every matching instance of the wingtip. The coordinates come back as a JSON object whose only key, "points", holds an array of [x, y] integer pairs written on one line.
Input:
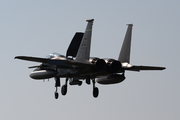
{"points": [[16, 57], [90, 20], [129, 24], [163, 68]]}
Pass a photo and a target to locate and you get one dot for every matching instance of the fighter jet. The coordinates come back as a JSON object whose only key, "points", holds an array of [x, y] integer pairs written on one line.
{"points": [[77, 65]]}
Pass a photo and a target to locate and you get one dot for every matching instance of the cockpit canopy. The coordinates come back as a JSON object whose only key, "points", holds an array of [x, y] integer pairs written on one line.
{"points": [[53, 55]]}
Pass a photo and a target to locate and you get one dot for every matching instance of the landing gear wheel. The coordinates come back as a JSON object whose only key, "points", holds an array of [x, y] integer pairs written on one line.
{"points": [[56, 95], [95, 92], [64, 90]]}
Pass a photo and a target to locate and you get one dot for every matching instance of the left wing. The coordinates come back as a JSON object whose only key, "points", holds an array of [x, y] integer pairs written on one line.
{"points": [[59, 63], [33, 59]]}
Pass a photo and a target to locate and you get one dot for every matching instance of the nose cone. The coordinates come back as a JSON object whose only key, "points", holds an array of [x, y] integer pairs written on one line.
{"points": [[43, 74]]}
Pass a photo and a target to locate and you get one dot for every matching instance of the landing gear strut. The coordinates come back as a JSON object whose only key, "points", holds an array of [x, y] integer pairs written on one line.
{"points": [[57, 84], [95, 89]]}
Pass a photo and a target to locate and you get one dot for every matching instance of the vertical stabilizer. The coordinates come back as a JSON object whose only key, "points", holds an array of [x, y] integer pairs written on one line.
{"points": [[84, 48], [124, 55]]}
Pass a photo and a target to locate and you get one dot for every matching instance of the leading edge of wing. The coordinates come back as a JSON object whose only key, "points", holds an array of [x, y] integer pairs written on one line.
{"points": [[138, 68]]}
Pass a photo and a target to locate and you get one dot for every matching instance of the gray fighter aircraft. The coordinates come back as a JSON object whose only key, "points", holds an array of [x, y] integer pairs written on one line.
{"points": [[77, 65]]}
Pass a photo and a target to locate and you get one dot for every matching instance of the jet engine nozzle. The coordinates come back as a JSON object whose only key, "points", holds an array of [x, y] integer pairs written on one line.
{"points": [[43, 74], [111, 79], [113, 65], [98, 64]]}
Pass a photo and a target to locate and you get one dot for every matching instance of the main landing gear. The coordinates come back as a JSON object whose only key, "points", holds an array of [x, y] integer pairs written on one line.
{"points": [[63, 89], [95, 89], [74, 82]]}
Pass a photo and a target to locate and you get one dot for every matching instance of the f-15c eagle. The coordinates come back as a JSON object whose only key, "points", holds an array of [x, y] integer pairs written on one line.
{"points": [[77, 65]]}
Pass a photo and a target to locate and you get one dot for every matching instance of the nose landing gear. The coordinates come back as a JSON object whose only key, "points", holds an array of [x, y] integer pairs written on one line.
{"points": [[57, 84]]}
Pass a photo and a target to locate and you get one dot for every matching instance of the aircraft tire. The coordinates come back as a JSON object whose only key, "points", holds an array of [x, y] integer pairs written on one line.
{"points": [[95, 92], [56, 95], [64, 90]]}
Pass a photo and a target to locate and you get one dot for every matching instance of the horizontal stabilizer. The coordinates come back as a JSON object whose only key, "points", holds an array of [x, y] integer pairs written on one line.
{"points": [[138, 68]]}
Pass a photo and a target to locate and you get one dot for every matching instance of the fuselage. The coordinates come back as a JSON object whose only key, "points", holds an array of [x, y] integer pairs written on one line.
{"points": [[98, 68]]}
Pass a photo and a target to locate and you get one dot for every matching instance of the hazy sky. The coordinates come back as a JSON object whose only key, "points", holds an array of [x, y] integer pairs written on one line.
{"points": [[39, 27]]}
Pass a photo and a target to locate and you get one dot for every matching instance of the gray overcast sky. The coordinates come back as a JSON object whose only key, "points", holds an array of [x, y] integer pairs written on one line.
{"points": [[40, 27]]}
